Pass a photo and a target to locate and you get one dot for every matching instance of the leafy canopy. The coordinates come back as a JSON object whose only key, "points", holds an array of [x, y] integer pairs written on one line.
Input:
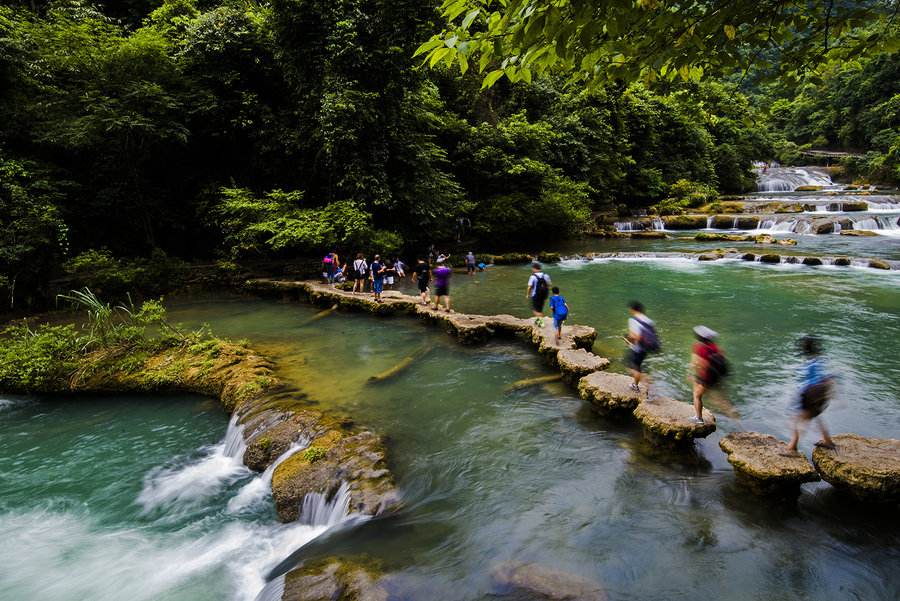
{"points": [[649, 40]]}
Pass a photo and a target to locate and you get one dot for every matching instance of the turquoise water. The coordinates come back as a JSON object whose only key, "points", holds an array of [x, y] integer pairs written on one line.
{"points": [[487, 474]]}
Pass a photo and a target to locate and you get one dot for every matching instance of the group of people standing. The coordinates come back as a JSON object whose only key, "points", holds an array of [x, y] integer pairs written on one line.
{"points": [[708, 366]]}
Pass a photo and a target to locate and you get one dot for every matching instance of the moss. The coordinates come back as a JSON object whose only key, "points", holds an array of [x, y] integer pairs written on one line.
{"points": [[265, 443], [313, 454], [879, 264]]}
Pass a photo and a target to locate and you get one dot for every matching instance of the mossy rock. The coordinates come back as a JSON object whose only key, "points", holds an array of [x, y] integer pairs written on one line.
{"points": [[684, 222], [879, 264], [765, 464], [812, 261], [335, 579], [609, 393], [709, 257], [791, 260], [513, 259], [667, 422], [770, 258], [858, 233], [548, 257], [854, 207], [787, 242], [868, 468], [807, 188], [748, 257], [842, 262], [718, 237], [543, 582], [764, 239], [355, 458], [577, 363]]}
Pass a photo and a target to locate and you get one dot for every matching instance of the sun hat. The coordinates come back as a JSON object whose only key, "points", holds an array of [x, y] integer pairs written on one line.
{"points": [[705, 333]]}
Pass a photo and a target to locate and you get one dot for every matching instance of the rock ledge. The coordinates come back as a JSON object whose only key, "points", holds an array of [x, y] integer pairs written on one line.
{"points": [[869, 468]]}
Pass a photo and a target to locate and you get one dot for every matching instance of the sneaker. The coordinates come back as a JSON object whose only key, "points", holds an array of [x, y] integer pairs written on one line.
{"points": [[696, 420]]}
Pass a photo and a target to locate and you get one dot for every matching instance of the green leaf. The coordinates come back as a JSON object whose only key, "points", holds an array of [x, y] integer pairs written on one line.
{"points": [[491, 78], [470, 17], [437, 55]]}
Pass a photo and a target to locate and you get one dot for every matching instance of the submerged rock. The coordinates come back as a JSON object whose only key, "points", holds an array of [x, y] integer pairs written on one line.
{"points": [[716, 237], [545, 582], [748, 257], [334, 579], [812, 261], [765, 464], [667, 421], [709, 257], [857, 233], [770, 258], [842, 262], [335, 457], [879, 264], [609, 392], [869, 468], [577, 363]]}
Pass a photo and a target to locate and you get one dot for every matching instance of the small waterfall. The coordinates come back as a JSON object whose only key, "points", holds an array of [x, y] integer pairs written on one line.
{"points": [[883, 206], [659, 225], [766, 224], [709, 222], [877, 223], [191, 481], [273, 591], [734, 224], [624, 226], [837, 227], [317, 510], [259, 488], [788, 179]]}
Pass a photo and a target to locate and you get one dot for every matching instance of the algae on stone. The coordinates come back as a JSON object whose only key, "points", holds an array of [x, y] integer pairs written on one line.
{"points": [[869, 468]]}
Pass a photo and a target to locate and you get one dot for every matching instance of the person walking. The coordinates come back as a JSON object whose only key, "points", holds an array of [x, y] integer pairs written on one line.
{"points": [[470, 263], [641, 339], [329, 266], [442, 275], [560, 310], [400, 268], [360, 273], [422, 274], [815, 392], [537, 293], [377, 277], [708, 366], [390, 271]]}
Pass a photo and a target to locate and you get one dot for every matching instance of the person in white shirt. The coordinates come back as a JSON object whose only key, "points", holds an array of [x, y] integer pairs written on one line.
{"points": [[537, 293]]}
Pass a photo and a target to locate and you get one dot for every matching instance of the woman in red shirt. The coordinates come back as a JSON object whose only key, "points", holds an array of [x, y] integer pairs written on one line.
{"points": [[706, 365]]}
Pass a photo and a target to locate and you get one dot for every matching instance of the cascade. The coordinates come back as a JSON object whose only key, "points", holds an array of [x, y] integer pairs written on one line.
{"points": [[259, 488], [837, 227], [734, 224], [659, 225], [709, 222], [624, 226], [788, 179], [318, 510]]}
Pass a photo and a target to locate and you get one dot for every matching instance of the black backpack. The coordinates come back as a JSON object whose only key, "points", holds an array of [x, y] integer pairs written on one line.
{"points": [[542, 290], [718, 365]]}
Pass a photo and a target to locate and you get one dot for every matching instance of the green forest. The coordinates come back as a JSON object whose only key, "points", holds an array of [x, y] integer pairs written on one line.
{"points": [[139, 134]]}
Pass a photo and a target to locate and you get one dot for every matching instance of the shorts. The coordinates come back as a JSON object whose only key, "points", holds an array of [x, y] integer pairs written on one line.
{"points": [[537, 303], [377, 285], [634, 359], [470, 269], [423, 284], [442, 291], [389, 280], [708, 380], [558, 322]]}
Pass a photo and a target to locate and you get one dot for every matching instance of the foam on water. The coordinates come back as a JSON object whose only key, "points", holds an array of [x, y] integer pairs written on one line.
{"points": [[60, 557], [189, 482]]}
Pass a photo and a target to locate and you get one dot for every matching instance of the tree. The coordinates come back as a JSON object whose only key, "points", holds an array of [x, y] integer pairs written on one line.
{"points": [[649, 40]]}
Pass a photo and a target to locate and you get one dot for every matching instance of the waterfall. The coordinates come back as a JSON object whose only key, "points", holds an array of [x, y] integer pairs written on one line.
{"points": [[885, 224], [837, 227], [317, 510], [883, 206], [624, 226], [766, 224], [259, 488], [788, 179], [188, 481], [709, 222], [734, 224], [659, 225]]}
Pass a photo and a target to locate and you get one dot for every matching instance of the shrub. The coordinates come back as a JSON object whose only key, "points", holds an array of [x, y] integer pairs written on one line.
{"points": [[38, 359]]}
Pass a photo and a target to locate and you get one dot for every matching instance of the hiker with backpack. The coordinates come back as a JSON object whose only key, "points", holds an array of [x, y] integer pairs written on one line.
{"points": [[560, 310], [329, 267], [360, 273], [708, 366], [537, 293], [642, 339], [815, 392]]}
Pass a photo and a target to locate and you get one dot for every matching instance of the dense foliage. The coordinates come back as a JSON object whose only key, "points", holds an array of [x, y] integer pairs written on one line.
{"points": [[136, 134]]}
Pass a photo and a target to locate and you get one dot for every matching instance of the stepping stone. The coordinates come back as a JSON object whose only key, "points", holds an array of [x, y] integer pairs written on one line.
{"points": [[544, 582], [765, 465], [609, 393], [577, 363], [666, 422], [868, 468]]}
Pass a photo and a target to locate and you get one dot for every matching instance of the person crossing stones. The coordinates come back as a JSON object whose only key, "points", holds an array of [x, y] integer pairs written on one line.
{"points": [[537, 292]]}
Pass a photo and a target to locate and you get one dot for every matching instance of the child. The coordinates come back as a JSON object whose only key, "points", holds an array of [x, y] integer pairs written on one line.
{"points": [[815, 392], [560, 310]]}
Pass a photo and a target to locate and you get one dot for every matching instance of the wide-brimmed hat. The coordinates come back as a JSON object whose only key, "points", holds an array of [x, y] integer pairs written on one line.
{"points": [[705, 333]]}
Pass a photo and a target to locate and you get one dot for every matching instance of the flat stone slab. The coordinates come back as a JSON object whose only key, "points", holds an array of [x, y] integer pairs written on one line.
{"points": [[766, 460], [667, 420], [333, 579], [609, 392], [577, 363], [545, 582], [869, 468]]}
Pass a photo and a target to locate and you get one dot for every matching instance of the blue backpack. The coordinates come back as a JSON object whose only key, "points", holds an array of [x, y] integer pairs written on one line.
{"points": [[649, 340]]}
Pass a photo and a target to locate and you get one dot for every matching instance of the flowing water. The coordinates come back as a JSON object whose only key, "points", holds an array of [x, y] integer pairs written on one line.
{"points": [[91, 487]]}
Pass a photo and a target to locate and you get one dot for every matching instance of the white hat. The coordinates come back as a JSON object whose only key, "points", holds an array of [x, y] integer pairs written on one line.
{"points": [[705, 333]]}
